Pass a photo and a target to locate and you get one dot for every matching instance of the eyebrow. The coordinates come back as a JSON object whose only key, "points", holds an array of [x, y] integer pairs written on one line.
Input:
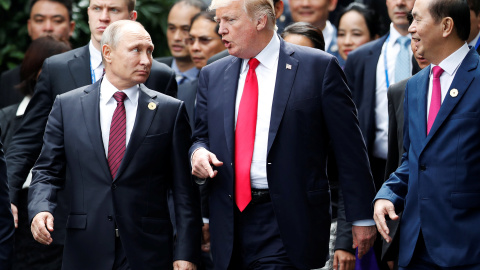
{"points": [[38, 16]]}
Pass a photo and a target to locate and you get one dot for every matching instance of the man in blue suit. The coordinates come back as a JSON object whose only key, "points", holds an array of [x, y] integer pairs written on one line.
{"points": [[269, 193], [116, 148], [437, 184]]}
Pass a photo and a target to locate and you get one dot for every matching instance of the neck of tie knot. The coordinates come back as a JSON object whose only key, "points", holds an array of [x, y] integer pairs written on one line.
{"points": [[404, 41], [119, 96], [437, 71], [253, 63]]}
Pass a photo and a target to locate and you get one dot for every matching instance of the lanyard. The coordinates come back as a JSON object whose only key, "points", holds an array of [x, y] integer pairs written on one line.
{"points": [[385, 61], [92, 73], [478, 43]]}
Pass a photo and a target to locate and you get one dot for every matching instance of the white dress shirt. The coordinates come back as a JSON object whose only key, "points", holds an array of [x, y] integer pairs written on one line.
{"points": [[380, 146], [328, 33], [450, 66], [95, 63], [107, 108], [267, 75]]}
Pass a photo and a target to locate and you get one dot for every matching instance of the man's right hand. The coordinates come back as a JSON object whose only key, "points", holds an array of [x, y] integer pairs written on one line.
{"points": [[202, 162], [381, 208], [15, 214], [41, 222]]}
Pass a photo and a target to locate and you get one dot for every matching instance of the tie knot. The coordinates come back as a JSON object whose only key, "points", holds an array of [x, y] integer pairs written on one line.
{"points": [[119, 96], [253, 63], [437, 71], [404, 41]]}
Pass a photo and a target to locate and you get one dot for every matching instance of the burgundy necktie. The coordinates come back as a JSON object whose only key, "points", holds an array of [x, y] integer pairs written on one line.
{"points": [[117, 138], [436, 100], [245, 136]]}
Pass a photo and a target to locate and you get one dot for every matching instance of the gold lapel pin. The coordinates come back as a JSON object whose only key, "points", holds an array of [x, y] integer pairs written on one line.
{"points": [[454, 92], [152, 106], [288, 66]]}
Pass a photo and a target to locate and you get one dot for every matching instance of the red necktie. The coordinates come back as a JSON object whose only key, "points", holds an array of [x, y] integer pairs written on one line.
{"points": [[436, 100], [117, 138], [245, 136]]}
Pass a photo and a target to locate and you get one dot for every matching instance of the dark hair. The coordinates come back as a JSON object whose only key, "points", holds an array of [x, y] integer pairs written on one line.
{"points": [[368, 15], [457, 10], [39, 50], [66, 3], [308, 30], [474, 5], [194, 3], [209, 15]]}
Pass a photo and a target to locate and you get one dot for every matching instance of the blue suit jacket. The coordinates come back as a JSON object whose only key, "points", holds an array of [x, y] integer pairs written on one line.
{"points": [[312, 108], [438, 184], [156, 159]]}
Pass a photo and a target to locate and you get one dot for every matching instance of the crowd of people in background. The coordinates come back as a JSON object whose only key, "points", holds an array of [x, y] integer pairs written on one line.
{"points": [[278, 134]]}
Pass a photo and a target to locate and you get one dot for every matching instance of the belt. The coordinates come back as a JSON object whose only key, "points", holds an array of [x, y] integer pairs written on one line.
{"points": [[260, 196]]}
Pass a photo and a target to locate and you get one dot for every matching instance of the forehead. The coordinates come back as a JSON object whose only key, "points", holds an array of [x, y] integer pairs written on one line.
{"points": [[123, 3], [135, 35], [420, 8], [45, 7], [182, 13], [202, 26]]}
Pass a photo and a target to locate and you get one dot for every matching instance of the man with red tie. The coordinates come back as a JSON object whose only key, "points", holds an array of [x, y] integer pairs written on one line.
{"points": [[437, 184], [117, 147], [265, 117]]}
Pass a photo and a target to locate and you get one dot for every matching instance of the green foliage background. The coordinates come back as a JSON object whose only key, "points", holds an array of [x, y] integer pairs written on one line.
{"points": [[14, 39]]}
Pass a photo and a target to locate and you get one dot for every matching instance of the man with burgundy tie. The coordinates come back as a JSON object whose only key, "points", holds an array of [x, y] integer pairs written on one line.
{"points": [[265, 117], [117, 147], [437, 185]]}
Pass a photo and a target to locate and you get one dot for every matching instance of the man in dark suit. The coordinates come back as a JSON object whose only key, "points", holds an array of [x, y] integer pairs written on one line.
{"points": [[396, 96], [284, 134], [436, 185], [47, 17], [474, 36], [118, 214], [7, 229], [62, 73]]}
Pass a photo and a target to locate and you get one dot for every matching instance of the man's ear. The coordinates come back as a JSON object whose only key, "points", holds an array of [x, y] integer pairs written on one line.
{"points": [[262, 22], [447, 26], [133, 15], [107, 53]]}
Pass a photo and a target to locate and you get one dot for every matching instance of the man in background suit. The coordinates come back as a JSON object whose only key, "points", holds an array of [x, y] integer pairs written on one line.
{"points": [[474, 37], [139, 139], [62, 73], [179, 19], [437, 184], [7, 230], [396, 96], [290, 128], [47, 17]]}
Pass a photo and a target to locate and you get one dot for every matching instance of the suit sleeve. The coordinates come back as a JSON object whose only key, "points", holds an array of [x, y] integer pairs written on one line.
{"points": [[7, 228], [27, 142], [200, 133], [392, 155], [344, 238], [49, 171], [340, 116], [185, 193]]}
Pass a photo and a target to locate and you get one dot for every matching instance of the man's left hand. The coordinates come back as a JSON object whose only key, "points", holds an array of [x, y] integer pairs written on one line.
{"points": [[363, 238], [184, 265]]}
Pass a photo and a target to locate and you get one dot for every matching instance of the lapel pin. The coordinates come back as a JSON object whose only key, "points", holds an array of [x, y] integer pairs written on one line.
{"points": [[289, 66], [152, 106], [454, 92]]}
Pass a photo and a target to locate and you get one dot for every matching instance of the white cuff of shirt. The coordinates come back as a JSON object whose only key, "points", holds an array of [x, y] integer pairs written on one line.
{"points": [[206, 220], [364, 222]]}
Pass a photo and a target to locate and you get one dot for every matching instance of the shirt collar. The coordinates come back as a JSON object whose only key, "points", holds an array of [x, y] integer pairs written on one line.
{"points": [[95, 56], [107, 90], [191, 74], [394, 34], [453, 61], [328, 33], [269, 55]]}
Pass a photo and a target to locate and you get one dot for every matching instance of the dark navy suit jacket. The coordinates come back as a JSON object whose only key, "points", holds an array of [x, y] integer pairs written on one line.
{"points": [[312, 108], [156, 159], [438, 186]]}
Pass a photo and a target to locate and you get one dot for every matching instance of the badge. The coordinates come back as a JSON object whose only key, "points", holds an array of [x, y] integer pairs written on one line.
{"points": [[288, 66], [454, 92], [152, 106]]}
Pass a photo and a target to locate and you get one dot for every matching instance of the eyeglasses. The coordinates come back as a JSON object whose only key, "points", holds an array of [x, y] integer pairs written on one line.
{"points": [[202, 40]]}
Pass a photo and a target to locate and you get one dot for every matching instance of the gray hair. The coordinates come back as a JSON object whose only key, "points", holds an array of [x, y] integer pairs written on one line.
{"points": [[114, 32], [254, 8]]}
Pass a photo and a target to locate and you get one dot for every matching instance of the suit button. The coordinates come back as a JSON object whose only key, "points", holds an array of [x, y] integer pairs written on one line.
{"points": [[230, 196], [114, 186], [423, 168], [110, 218]]}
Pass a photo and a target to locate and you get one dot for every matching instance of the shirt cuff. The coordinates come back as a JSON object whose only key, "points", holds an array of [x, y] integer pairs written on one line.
{"points": [[364, 222], [206, 220]]}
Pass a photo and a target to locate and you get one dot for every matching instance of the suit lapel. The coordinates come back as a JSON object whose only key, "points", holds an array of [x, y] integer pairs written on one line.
{"points": [[143, 121], [462, 80], [230, 84], [421, 92], [80, 67], [283, 88], [91, 112]]}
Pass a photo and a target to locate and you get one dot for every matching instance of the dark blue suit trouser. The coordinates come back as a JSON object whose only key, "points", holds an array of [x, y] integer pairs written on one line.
{"points": [[257, 242]]}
